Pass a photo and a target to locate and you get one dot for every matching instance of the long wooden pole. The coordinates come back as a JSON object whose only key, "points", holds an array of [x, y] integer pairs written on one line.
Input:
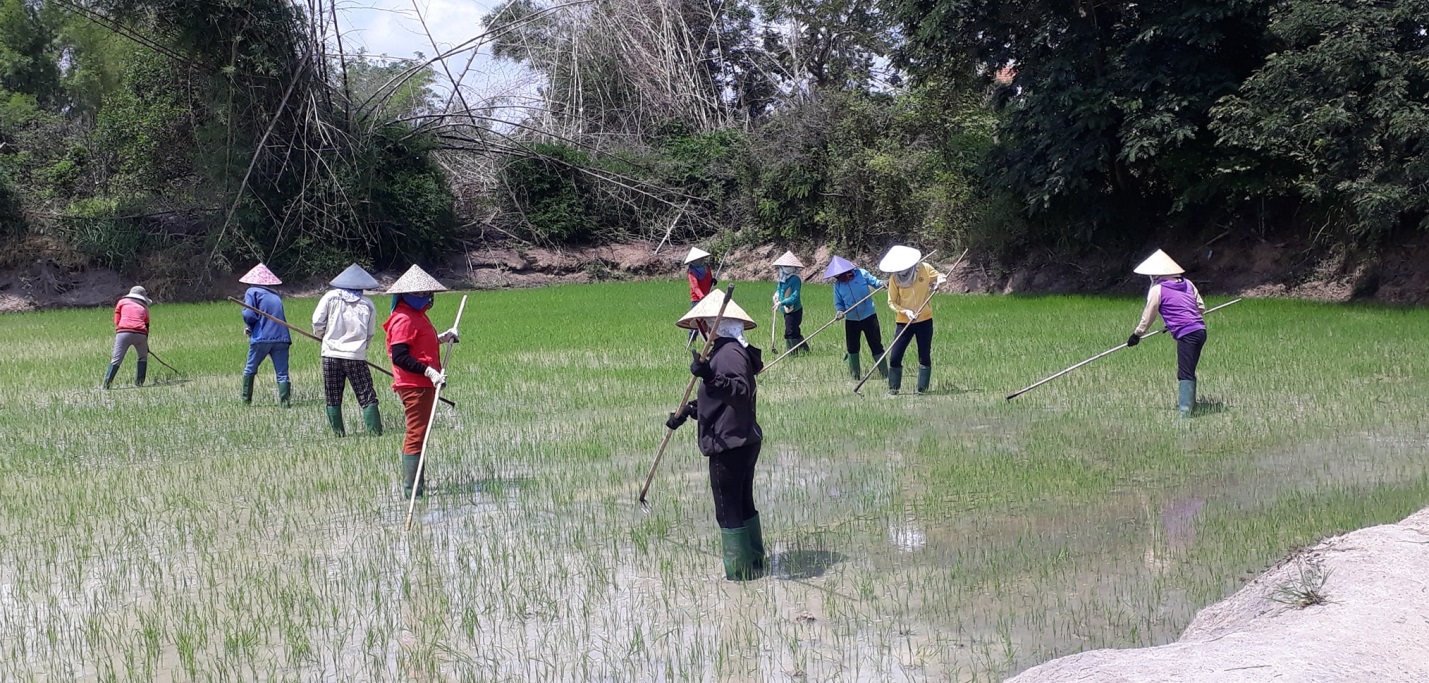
{"points": [[704, 355], [1103, 354], [931, 291], [426, 436], [314, 337], [156, 357], [786, 354]]}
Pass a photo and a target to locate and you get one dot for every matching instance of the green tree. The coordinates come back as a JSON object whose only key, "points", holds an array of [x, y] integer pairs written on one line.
{"points": [[1339, 116]]}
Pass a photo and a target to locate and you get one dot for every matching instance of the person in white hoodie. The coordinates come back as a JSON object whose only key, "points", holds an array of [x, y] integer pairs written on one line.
{"points": [[346, 321]]}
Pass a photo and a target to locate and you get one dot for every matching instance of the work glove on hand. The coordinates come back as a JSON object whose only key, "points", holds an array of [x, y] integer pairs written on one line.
{"points": [[438, 377], [839, 315], [449, 336], [714, 281], [908, 313], [700, 367], [247, 332], [677, 419], [942, 280], [1133, 340]]}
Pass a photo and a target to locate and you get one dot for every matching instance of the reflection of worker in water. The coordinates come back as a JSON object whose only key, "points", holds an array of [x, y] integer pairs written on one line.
{"points": [[729, 433], [1181, 307]]}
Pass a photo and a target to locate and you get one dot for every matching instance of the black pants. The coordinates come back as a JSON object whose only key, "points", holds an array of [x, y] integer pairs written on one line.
{"points": [[792, 321], [1188, 354], [868, 327], [732, 483], [923, 332]]}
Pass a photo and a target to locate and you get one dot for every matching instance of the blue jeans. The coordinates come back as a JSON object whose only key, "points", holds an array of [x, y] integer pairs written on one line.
{"points": [[278, 351]]}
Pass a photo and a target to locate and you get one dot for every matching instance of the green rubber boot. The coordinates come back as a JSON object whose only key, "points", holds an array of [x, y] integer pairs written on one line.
{"points": [[895, 380], [853, 369], [285, 394], [738, 554], [409, 476], [925, 376], [141, 370], [788, 344], [109, 375], [334, 418], [372, 420], [1186, 401], [883, 367], [247, 395], [756, 541], [800, 345]]}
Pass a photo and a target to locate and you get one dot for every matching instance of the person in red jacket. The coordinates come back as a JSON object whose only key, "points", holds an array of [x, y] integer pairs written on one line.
{"points": [[131, 329], [697, 271], [415, 348]]}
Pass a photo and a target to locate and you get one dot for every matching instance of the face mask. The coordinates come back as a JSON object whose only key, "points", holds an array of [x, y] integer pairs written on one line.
{"points": [[418, 302], [905, 278]]}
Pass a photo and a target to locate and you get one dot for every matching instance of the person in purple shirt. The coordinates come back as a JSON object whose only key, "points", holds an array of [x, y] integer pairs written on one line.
{"points": [[1181, 307]]}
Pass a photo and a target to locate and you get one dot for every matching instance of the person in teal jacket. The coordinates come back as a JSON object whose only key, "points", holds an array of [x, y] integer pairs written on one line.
{"points": [[787, 298]]}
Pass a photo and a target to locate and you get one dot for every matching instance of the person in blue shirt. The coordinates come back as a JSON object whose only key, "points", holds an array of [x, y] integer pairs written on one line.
{"points": [[266, 338], [788, 298], [852, 285]]}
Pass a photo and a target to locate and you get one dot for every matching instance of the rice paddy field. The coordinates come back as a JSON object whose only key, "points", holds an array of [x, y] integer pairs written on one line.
{"points": [[169, 533]]}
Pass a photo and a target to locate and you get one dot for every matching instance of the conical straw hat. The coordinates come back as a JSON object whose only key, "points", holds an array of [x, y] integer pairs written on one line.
{"points": [[838, 266], [708, 307], [415, 280], [260, 275], [354, 278], [1159, 264], [789, 259], [138, 293], [899, 259], [695, 254]]}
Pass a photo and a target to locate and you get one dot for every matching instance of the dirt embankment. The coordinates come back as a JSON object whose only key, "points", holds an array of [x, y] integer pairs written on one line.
{"points": [[1368, 621], [1250, 268]]}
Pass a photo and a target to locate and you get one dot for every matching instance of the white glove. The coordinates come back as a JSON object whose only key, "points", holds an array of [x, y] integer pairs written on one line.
{"points": [[449, 336], [908, 313], [942, 280], [438, 377]]}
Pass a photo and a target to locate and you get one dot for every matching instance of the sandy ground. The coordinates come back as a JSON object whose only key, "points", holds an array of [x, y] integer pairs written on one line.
{"points": [[1372, 626]]}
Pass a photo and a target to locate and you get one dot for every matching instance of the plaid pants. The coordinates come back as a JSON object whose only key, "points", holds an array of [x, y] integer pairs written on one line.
{"points": [[337, 371]]}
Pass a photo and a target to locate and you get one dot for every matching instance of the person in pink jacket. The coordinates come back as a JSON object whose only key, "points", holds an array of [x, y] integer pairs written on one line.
{"points": [[131, 329]]}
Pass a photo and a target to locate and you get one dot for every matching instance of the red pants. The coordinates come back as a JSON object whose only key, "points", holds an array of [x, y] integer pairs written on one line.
{"points": [[417, 404]]}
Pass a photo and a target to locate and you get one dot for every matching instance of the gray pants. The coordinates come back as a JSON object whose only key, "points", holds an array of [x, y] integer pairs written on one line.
{"points": [[124, 340]]}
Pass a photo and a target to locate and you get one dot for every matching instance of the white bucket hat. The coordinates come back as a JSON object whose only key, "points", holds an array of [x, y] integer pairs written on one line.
{"points": [[1159, 264], [708, 307], [695, 254], [139, 294], [899, 259], [355, 278], [415, 280], [789, 259]]}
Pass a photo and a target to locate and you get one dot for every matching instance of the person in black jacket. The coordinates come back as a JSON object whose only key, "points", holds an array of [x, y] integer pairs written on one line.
{"points": [[729, 433]]}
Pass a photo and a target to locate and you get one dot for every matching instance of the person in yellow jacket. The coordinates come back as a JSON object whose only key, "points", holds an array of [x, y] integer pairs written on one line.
{"points": [[911, 284]]}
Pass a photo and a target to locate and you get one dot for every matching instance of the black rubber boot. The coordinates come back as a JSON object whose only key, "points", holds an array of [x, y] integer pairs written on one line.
{"points": [[756, 542], [853, 368], [247, 394], [372, 420], [409, 476], [109, 375], [895, 381], [925, 376], [141, 370], [334, 418], [285, 394]]}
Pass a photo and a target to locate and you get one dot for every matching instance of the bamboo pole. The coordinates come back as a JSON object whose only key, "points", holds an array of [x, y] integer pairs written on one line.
{"points": [[426, 436], [704, 355], [1103, 354], [315, 338]]}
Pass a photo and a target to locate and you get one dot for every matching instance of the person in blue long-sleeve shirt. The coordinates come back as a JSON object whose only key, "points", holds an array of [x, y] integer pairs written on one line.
{"points": [[852, 286], [266, 338]]}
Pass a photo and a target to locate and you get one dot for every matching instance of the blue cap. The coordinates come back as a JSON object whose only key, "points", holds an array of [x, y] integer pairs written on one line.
{"points": [[838, 266]]}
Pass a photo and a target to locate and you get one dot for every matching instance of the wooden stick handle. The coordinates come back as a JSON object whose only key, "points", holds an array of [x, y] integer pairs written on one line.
{"points": [[315, 338], [1105, 353], [689, 388], [422, 457], [156, 357]]}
